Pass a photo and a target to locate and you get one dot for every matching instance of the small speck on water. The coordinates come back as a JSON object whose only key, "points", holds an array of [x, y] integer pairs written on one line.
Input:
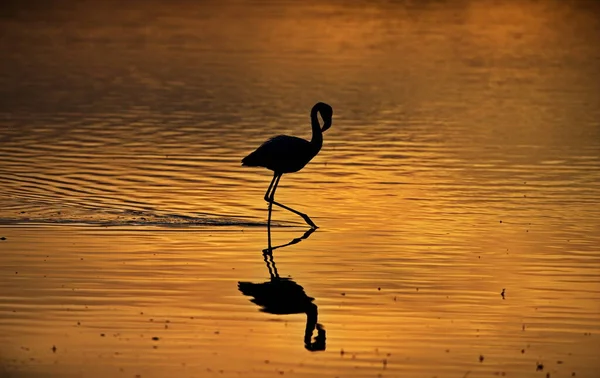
{"points": [[155, 338], [342, 352], [53, 348], [379, 288], [102, 335], [539, 366], [522, 351], [3, 238], [481, 358], [343, 294]]}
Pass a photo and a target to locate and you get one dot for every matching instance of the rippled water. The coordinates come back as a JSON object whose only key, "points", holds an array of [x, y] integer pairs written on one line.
{"points": [[464, 160]]}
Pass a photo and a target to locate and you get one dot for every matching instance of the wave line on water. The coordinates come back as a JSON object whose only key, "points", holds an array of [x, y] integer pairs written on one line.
{"points": [[126, 218]]}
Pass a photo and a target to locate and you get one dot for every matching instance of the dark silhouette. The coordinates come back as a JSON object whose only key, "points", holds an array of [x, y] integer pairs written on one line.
{"points": [[287, 154], [283, 296]]}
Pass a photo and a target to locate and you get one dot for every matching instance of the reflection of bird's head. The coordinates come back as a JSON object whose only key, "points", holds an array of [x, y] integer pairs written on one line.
{"points": [[319, 342], [326, 112]]}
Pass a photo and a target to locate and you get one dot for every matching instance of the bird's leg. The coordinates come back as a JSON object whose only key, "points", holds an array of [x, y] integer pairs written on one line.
{"points": [[272, 197], [270, 186], [272, 201], [269, 225], [270, 208], [304, 216]]}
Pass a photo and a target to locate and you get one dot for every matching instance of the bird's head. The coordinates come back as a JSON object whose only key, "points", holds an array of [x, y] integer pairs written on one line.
{"points": [[326, 112]]}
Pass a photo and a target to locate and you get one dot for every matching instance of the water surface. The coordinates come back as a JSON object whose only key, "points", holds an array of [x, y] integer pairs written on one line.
{"points": [[464, 159]]}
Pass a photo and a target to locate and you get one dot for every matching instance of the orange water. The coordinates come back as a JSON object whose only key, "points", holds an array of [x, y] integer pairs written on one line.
{"points": [[464, 159]]}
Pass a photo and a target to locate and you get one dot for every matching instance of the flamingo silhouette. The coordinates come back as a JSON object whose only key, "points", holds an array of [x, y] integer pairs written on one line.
{"points": [[287, 154], [282, 296]]}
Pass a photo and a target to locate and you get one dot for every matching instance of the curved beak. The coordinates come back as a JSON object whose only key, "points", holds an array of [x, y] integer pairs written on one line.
{"points": [[326, 124]]}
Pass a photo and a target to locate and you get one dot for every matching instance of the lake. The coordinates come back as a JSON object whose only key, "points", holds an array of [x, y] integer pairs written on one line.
{"points": [[457, 192]]}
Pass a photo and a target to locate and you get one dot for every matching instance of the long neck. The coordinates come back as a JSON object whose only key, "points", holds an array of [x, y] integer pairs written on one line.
{"points": [[317, 135]]}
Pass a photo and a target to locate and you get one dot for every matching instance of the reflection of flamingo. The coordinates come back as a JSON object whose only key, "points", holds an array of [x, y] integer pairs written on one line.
{"points": [[287, 154], [282, 296]]}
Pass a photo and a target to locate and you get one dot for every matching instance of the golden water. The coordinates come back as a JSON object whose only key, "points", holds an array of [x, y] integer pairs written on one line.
{"points": [[463, 160]]}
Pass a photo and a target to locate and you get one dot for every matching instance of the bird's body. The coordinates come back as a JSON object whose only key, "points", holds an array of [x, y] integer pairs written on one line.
{"points": [[287, 154], [282, 154]]}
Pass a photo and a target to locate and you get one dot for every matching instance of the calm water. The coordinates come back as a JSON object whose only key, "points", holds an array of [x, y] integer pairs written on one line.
{"points": [[464, 159]]}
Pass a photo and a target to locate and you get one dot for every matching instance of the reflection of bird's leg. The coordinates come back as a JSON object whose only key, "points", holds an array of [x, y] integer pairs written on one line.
{"points": [[294, 241], [271, 200], [268, 257]]}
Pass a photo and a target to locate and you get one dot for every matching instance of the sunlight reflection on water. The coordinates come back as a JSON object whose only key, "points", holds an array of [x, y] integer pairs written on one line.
{"points": [[464, 158]]}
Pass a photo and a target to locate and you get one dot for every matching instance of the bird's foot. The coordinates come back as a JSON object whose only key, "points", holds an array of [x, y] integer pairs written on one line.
{"points": [[309, 222]]}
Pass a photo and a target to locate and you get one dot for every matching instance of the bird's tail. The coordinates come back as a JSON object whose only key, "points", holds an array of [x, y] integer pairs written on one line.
{"points": [[250, 160]]}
